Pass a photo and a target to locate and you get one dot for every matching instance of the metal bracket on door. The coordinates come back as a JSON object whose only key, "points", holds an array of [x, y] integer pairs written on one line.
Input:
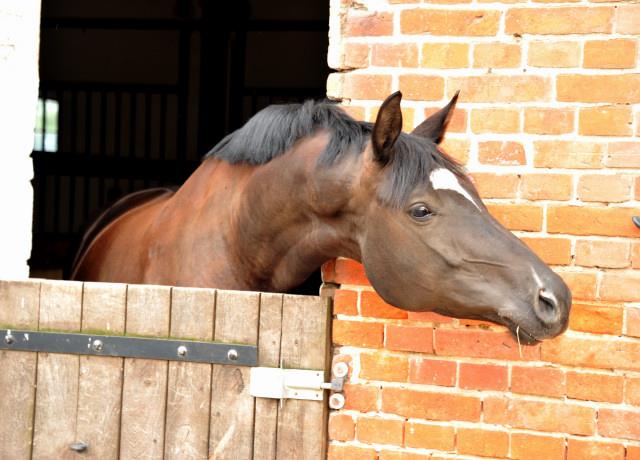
{"points": [[279, 383], [129, 347]]}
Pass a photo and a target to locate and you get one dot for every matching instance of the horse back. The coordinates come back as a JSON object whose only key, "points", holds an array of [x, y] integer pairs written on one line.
{"points": [[119, 208]]}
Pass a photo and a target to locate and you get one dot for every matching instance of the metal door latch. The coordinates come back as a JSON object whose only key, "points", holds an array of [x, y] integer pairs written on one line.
{"points": [[279, 383]]}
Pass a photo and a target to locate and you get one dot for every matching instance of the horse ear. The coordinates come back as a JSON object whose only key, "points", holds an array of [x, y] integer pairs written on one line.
{"points": [[435, 126], [387, 128]]}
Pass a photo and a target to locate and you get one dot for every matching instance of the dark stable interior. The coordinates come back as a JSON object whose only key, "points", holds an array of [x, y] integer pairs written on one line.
{"points": [[134, 93]]}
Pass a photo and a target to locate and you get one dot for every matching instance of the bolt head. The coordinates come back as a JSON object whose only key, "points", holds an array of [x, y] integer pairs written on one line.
{"points": [[97, 345], [182, 350], [232, 355]]}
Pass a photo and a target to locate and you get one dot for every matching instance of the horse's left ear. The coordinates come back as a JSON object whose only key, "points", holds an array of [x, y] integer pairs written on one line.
{"points": [[435, 126], [387, 128]]}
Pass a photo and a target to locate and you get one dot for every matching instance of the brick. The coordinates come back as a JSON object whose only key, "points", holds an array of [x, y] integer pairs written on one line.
{"points": [[371, 304], [595, 387], [498, 121], [605, 121], [437, 437], [568, 154], [458, 149], [548, 121], [540, 381], [430, 405], [578, 449], [632, 391], [553, 251], [402, 455], [395, 55], [501, 88], [344, 271], [633, 452], [429, 317], [355, 111], [358, 333], [380, 431], [554, 54], [355, 56], [483, 377], [581, 284], [485, 443], [619, 423], [610, 54], [603, 254], [633, 322], [492, 185], [379, 366], [586, 352], [375, 24], [481, 344], [578, 220], [620, 89], [362, 398], [346, 452], [450, 22], [557, 187], [341, 427], [610, 188], [534, 447], [358, 86], [635, 255], [623, 155], [345, 302], [409, 338], [422, 87], [501, 153], [547, 416], [445, 55], [458, 122], [596, 318], [558, 21], [620, 286], [496, 55], [523, 217], [432, 372], [628, 19]]}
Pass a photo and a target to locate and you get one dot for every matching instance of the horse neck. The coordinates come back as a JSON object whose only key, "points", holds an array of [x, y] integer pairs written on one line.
{"points": [[289, 217]]}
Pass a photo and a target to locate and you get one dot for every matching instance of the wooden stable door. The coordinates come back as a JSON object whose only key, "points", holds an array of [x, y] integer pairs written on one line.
{"points": [[63, 406]]}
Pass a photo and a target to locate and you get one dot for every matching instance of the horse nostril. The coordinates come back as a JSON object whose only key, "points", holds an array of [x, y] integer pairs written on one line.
{"points": [[546, 307]]}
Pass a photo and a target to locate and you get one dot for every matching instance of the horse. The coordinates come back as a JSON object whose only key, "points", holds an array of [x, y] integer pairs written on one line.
{"points": [[302, 184]]}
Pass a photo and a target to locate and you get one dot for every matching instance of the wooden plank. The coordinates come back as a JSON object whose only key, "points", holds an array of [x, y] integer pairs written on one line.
{"points": [[189, 386], [57, 375], [232, 407], [266, 414], [100, 384], [19, 305], [145, 381], [301, 424]]}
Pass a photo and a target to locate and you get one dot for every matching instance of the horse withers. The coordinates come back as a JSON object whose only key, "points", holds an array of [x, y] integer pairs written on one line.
{"points": [[301, 184]]}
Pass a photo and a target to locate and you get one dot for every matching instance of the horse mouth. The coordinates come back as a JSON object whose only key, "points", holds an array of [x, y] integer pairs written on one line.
{"points": [[520, 334]]}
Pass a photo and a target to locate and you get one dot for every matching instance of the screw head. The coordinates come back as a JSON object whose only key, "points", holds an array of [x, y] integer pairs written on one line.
{"points": [[9, 339], [182, 350], [232, 355], [97, 345], [336, 401]]}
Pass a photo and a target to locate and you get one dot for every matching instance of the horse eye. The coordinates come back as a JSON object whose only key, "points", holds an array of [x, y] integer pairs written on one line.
{"points": [[420, 212]]}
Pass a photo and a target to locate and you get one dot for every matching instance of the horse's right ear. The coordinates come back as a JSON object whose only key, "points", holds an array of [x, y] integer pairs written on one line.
{"points": [[434, 127], [387, 128]]}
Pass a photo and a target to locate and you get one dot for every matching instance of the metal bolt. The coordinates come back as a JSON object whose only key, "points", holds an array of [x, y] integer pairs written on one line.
{"points": [[232, 355], [97, 345], [340, 369], [336, 401], [9, 339], [79, 446], [182, 350]]}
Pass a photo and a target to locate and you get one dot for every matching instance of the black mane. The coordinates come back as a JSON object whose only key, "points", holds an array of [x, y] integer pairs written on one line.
{"points": [[275, 129]]}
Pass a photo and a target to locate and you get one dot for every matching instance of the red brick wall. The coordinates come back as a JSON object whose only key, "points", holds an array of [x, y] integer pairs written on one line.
{"points": [[548, 124]]}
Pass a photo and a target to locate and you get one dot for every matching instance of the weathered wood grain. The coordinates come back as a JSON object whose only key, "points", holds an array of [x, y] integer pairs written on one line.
{"points": [[231, 432], [266, 413], [145, 380], [301, 434], [189, 385], [57, 375], [100, 380], [19, 305]]}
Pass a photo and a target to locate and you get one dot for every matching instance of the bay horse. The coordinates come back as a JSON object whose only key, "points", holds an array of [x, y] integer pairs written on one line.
{"points": [[301, 184]]}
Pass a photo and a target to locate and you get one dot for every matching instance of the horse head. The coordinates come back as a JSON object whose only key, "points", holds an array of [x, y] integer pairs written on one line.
{"points": [[429, 244]]}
